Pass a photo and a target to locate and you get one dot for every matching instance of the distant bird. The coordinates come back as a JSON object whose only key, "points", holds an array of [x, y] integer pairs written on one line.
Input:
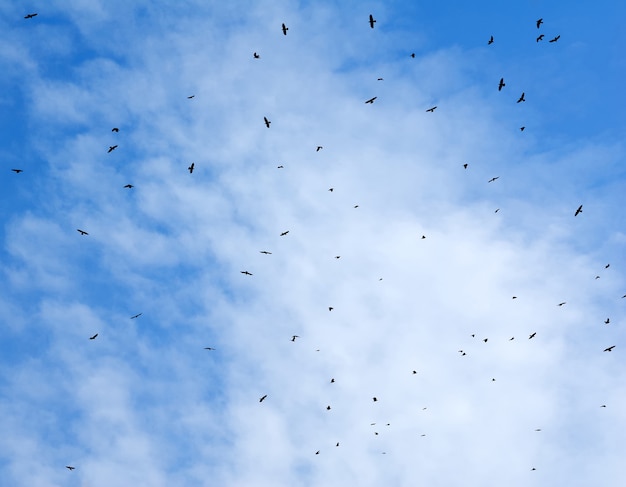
{"points": [[539, 22], [579, 210], [511, 339], [423, 237], [30, 16], [190, 168], [379, 79], [265, 252], [82, 232], [371, 100], [497, 210], [327, 408], [293, 338], [17, 171], [374, 399], [597, 277], [317, 452], [490, 41], [284, 233], [337, 444], [607, 321], [190, 97], [431, 110], [603, 406], [493, 179], [514, 297], [129, 186], [533, 469], [93, 337], [540, 38], [538, 429], [319, 148], [263, 398], [330, 308], [69, 467], [555, 39], [522, 128], [465, 166], [280, 167], [331, 189], [501, 84], [337, 256], [485, 340], [285, 29], [413, 55], [209, 348], [267, 122], [256, 56], [372, 21], [115, 129], [532, 335], [561, 304], [608, 349], [332, 381], [607, 266], [112, 148], [136, 316], [246, 273], [521, 98]]}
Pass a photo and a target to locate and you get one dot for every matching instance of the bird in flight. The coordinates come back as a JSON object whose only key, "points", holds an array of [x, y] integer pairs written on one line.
{"points": [[331, 189], [256, 56], [371, 100], [285, 29], [209, 348], [30, 16], [379, 79], [190, 97], [265, 252], [337, 256], [280, 167], [17, 171], [69, 467], [112, 148], [190, 168], [93, 337], [431, 110], [608, 349], [136, 316], [539, 22], [293, 337], [332, 381], [490, 41], [493, 179], [607, 321], [578, 210], [263, 398], [327, 408], [82, 232], [319, 148], [413, 55], [284, 233], [521, 98], [555, 39], [246, 273], [522, 128], [267, 122], [330, 308], [129, 186], [532, 335], [607, 266], [540, 38], [374, 399], [561, 304], [115, 129], [465, 166], [501, 84], [372, 21]]}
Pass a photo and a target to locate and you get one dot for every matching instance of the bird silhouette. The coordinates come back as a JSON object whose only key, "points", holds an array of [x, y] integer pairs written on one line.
{"points": [[332, 381], [607, 321], [136, 316], [246, 273], [493, 179], [111, 148], [209, 348], [371, 100], [93, 337], [280, 167], [540, 38], [578, 210], [532, 335], [263, 398], [490, 41], [115, 129], [327, 408], [485, 340], [609, 349], [69, 467], [17, 171], [256, 56], [539, 22], [190, 97], [82, 232], [265, 252], [30, 16], [501, 84], [561, 304], [522, 128], [372, 21], [129, 186], [293, 338], [331, 189], [191, 168], [431, 110], [285, 29], [555, 39], [607, 266], [330, 308], [465, 166], [284, 233], [374, 399], [319, 148], [521, 98], [267, 122]]}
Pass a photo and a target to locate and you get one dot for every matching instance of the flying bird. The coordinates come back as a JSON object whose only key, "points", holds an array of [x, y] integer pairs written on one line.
{"points": [[190, 168], [331, 189], [465, 166], [93, 337], [115, 129], [330, 308], [319, 148], [561, 304], [379, 79], [493, 179], [372, 21], [337, 256], [485, 340], [579, 210], [263, 398], [136, 316], [267, 122], [522, 128], [539, 22], [608, 349], [265, 252], [327, 408], [607, 321], [540, 38], [374, 399], [332, 381], [607, 266], [112, 148], [490, 41], [209, 348], [30, 16], [280, 167], [555, 39], [285, 29], [256, 56], [17, 171], [246, 273], [521, 98], [190, 97], [413, 55], [293, 338], [284, 233], [532, 335], [69, 467], [371, 100], [501, 84], [129, 186], [431, 110], [82, 232]]}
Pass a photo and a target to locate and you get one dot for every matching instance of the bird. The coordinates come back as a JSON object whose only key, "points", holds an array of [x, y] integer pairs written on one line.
{"points": [[209, 348], [522, 128], [597, 277], [280, 167], [539, 22], [532, 335], [332, 381], [415, 372], [327, 408], [465, 166], [413, 55], [331, 189], [330, 308], [115, 129], [485, 340], [521, 98], [69, 467], [607, 266], [337, 444], [511, 339], [30, 16], [93, 337], [82, 232], [497, 210], [256, 56], [263, 398], [319, 148], [17, 171], [265, 252], [423, 237], [493, 179], [246, 273], [371, 100], [561, 304], [267, 122], [337, 256], [501, 84], [129, 186], [111, 148], [555, 39], [317, 452], [284, 233], [540, 38], [372, 21], [293, 338], [603, 406], [490, 41], [607, 321], [136, 316], [379, 79], [431, 110], [608, 349], [578, 210], [190, 168], [190, 97], [514, 297], [374, 399], [285, 29], [538, 429]]}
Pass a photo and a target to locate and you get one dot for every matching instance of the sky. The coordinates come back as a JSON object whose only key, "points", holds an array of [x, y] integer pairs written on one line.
{"points": [[414, 321]]}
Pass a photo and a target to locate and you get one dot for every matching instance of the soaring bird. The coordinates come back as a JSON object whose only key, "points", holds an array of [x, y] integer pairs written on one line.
{"points": [[607, 266], [493, 179], [431, 110], [607, 321], [540, 38], [332, 381], [561, 304], [413, 55], [490, 41], [374, 399], [256, 56], [263, 398], [330, 308], [608, 349], [293, 337], [190, 168], [284, 233], [129, 186], [17, 171], [30, 16], [501, 84], [485, 340], [371, 100], [265, 252], [136, 316], [280, 167], [521, 98], [267, 122], [190, 97], [246, 273], [532, 335], [115, 129], [555, 39], [337, 256], [69, 467], [327, 408], [465, 166], [112, 148], [372, 21], [209, 348], [579, 210], [331, 189], [285, 29], [319, 148], [93, 337], [539, 22], [522, 128], [82, 232]]}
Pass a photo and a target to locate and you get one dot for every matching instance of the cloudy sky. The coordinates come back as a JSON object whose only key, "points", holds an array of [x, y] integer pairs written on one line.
{"points": [[406, 276]]}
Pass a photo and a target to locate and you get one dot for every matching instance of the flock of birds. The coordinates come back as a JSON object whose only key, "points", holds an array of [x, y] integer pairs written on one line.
{"points": [[372, 21]]}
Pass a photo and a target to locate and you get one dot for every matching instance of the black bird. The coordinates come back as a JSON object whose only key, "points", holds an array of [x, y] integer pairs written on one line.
{"points": [[115, 129], [82, 232], [265, 252], [331, 189], [493, 179], [579, 210], [379, 79], [285, 29], [608, 349], [280, 167], [501, 84], [263, 398], [293, 338], [372, 21], [93, 337], [246, 273], [555, 39], [136, 316], [327, 408], [607, 266], [465, 166], [17, 171], [190, 97], [112, 148], [337, 256], [267, 122], [539, 22], [330, 308], [284, 233], [561, 304], [209, 348], [532, 335], [69, 467], [522, 128], [607, 321], [129, 186], [190, 168], [371, 100], [30, 16], [485, 340], [521, 98], [319, 148], [431, 110], [256, 56], [490, 41], [413, 55], [374, 399], [317, 452], [332, 381], [540, 38]]}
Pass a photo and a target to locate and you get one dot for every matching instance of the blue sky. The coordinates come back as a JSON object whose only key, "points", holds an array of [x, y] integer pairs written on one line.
{"points": [[439, 271]]}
